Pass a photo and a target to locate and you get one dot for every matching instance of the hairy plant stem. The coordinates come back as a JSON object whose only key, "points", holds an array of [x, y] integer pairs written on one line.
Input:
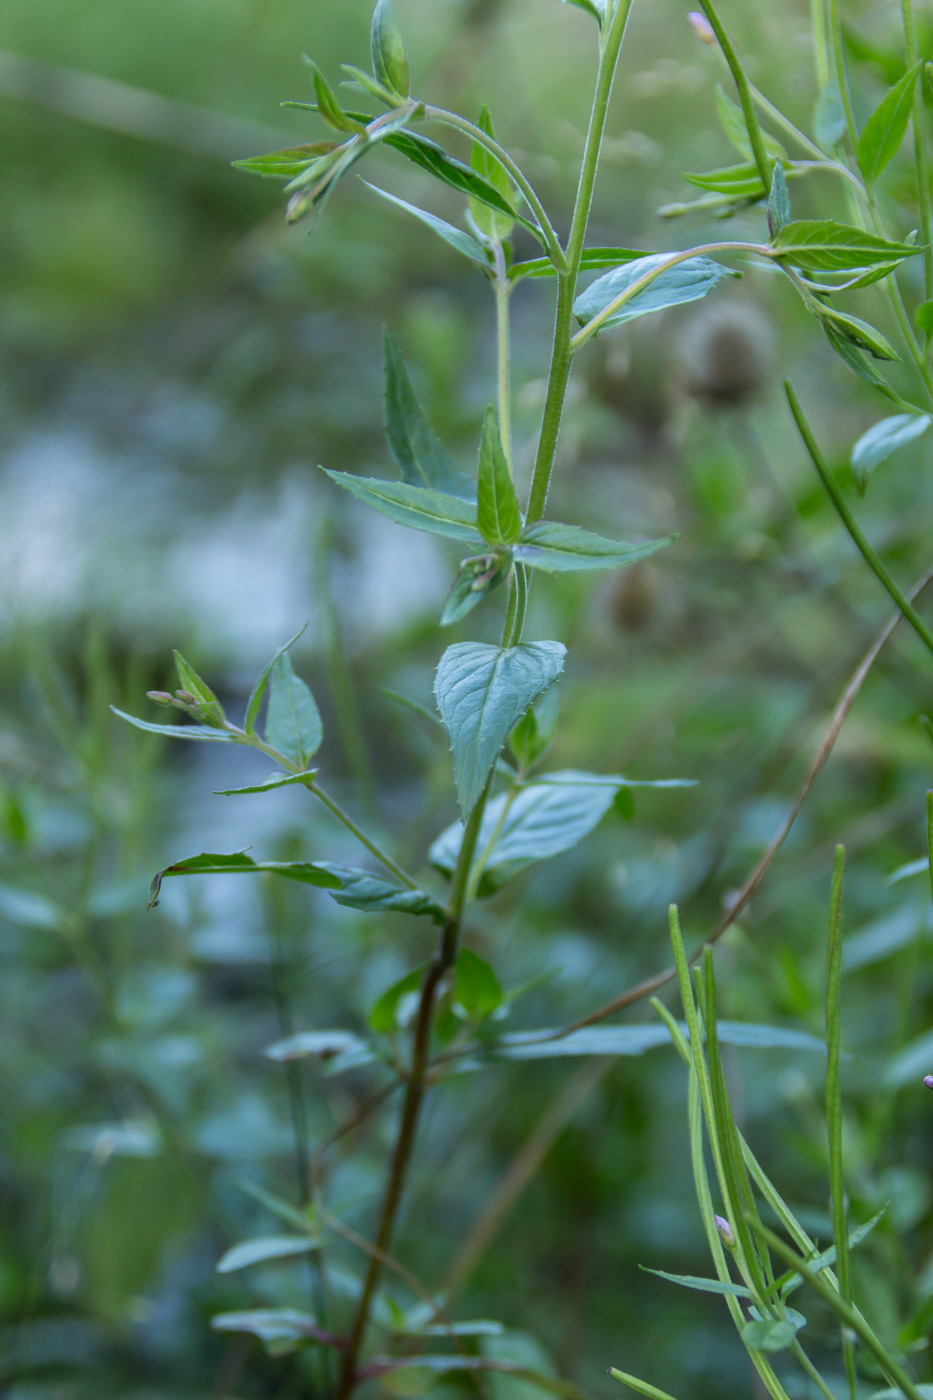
{"points": [[759, 154], [562, 355], [921, 151], [503, 290]]}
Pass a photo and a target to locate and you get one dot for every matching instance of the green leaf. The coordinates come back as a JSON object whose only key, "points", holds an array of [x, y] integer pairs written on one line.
{"points": [[384, 1015], [821, 245], [591, 260], [773, 1333], [477, 988], [549, 816], [365, 82], [293, 722], [415, 506], [475, 579], [779, 211], [281, 1329], [640, 1387], [686, 281], [496, 227], [180, 731], [238, 863], [829, 118], [497, 512], [854, 358], [286, 164], [259, 688], [704, 1285], [882, 440], [596, 8], [884, 130], [435, 160], [241, 1256], [275, 780], [482, 692], [735, 181], [635, 1040], [733, 124], [360, 889], [390, 61], [30, 910], [924, 316], [326, 1044], [189, 680], [827, 1258], [464, 243], [859, 333], [328, 104], [421, 459], [558, 548]]}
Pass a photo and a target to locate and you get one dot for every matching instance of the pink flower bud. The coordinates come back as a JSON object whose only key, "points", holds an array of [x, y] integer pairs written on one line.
{"points": [[702, 28], [186, 697], [725, 1231], [159, 697], [928, 1080]]}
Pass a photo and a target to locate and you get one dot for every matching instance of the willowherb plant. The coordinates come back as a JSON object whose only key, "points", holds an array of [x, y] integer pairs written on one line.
{"points": [[512, 813]]}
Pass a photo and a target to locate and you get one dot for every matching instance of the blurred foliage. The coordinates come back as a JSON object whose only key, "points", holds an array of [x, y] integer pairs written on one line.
{"points": [[175, 364]]}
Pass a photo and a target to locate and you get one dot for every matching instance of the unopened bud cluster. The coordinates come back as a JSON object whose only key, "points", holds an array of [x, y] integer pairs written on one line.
{"points": [[205, 711]]}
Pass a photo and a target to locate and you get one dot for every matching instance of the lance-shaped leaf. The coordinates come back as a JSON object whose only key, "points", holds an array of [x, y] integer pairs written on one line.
{"points": [[328, 104], [259, 1251], [180, 731], [558, 548], [477, 988], [239, 863], [821, 245], [415, 506], [274, 780], [435, 160], [482, 692], [293, 721], [547, 817], [190, 681], [390, 61], [704, 1285], [859, 333], [857, 361], [779, 211], [497, 512], [733, 124], [259, 688], [281, 1330], [735, 181], [288, 163], [421, 459], [592, 259], [360, 889], [685, 281], [495, 226], [884, 130], [882, 440], [464, 243]]}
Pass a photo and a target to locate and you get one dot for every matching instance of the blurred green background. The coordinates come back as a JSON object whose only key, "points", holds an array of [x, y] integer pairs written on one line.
{"points": [[175, 365]]}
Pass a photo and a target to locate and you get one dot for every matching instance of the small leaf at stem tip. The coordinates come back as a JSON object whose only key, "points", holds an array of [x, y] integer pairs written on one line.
{"points": [[497, 512], [390, 61], [495, 227], [885, 128], [475, 580], [882, 440], [329, 106], [683, 282], [259, 688], [293, 721]]}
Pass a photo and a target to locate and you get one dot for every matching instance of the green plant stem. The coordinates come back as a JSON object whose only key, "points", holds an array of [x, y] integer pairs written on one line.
{"points": [[417, 1084], [834, 1109], [503, 290], [592, 327], [821, 53], [760, 155], [561, 354], [476, 133], [851, 524], [921, 149], [842, 71], [930, 837]]}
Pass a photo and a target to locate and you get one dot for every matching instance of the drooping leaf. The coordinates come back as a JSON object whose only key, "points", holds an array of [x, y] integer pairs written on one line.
{"points": [[591, 260], [415, 506], [482, 692], [248, 1252], [779, 211], [686, 281], [497, 511], [821, 245], [596, 8], [829, 118], [857, 361], [275, 780], [390, 61], [280, 1329], [882, 440], [549, 816], [558, 548], [733, 124], [421, 459], [859, 333], [773, 1333], [384, 1015], [704, 1285], [259, 688], [475, 579], [496, 227], [464, 243], [435, 160], [293, 721], [179, 731], [884, 131], [238, 863], [325, 1044], [477, 988], [360, 889], [734, 181]]}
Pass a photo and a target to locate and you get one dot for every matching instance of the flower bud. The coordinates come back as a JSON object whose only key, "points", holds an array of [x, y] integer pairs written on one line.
{"points": [[725, 1231], [928, 1080], [159, 697], [702, 28], [186, 697]]}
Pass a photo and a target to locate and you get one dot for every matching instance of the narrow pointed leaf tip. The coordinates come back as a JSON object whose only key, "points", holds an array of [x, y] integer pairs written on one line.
{"points": [[422, 460], [498, 514], [390, 61], [482, 692], [884, 130]]}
